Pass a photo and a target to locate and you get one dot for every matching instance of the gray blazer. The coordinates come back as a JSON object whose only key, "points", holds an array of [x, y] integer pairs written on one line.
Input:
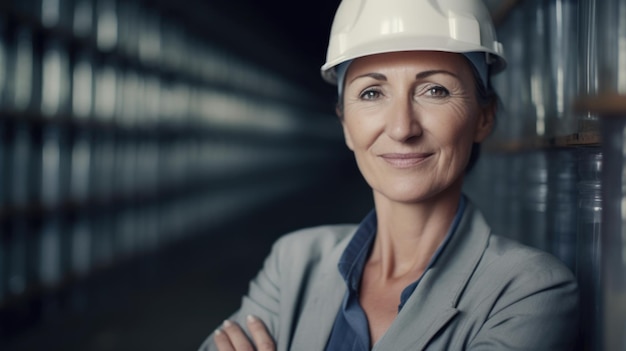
{"points": [[484, 292]]}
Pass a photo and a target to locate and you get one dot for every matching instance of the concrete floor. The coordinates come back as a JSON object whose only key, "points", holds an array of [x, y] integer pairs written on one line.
{"points": [[173, 299]]}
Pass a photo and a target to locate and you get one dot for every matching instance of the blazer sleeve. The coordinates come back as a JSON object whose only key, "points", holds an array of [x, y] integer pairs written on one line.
{"points": [[537, 309], [262, 299], [282, 285]]}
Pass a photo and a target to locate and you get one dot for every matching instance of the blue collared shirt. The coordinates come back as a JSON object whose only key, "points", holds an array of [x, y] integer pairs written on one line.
{"points": [[350, 331]]}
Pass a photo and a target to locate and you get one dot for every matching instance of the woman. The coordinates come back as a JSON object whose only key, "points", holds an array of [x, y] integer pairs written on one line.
{"points": [[422, 271]]}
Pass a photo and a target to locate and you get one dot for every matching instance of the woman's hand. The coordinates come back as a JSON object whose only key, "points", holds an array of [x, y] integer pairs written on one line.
{"points": [[232, 338]]}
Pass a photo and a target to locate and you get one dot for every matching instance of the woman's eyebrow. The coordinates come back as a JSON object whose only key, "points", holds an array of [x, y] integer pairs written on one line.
{"points": [[421, 75], [426, 74], [373, 75]]}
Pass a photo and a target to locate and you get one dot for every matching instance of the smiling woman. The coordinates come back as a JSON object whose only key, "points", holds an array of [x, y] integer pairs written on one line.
{"points": [[422, 271], [411, 119]]}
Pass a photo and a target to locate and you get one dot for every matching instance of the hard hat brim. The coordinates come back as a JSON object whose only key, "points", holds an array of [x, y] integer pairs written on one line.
{"points": [[495, 57]]}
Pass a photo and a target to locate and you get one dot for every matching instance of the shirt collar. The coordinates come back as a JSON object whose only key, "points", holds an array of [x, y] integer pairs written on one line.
{"points": [[352, 261]]}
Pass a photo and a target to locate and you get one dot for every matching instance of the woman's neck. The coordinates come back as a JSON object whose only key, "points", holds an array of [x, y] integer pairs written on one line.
{"points": [[408, 234]]}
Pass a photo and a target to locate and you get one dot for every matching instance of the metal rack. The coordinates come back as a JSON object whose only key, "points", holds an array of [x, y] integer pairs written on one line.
{"points": [[556, 158]]}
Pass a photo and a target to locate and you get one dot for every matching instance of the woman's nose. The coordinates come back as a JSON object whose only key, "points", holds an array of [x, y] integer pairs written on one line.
{"points": [[402, 122]]}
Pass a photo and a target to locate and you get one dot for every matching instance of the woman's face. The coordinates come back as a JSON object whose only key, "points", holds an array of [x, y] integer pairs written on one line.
{"points": [[411, 119]]}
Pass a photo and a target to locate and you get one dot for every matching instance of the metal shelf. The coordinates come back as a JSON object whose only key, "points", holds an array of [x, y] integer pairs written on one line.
{"points": [[586, 138], [610, 105], [606, 105]]}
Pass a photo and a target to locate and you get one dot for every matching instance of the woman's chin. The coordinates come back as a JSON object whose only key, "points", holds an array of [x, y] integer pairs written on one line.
{"points": [[411, 193], [404, 195]]}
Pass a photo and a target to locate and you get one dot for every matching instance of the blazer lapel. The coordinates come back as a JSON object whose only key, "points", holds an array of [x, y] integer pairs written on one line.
{"points": [[433, 303]]}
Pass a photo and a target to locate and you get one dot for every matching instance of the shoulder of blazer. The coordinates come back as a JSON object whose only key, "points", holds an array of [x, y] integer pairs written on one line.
{"points": [[522, 256], [518, 264]]}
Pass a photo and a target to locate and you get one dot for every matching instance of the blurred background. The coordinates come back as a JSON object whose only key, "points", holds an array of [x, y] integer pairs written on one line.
{"points": [[152, 150]]}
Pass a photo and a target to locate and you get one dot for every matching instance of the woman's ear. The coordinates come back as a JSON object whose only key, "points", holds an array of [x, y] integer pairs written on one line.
{"points": [[339, 111], [485, 122]]}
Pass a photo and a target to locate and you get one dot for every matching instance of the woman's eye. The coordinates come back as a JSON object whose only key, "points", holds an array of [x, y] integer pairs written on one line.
{"points": [[370, 94], [438, 91]]}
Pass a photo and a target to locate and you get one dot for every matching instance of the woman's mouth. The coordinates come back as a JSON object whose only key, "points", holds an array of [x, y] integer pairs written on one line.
{"points": [[402, 160]]}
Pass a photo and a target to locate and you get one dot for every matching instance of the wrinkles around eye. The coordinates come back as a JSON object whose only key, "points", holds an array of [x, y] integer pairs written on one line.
{"points": [[439, 92], [435, 91]]}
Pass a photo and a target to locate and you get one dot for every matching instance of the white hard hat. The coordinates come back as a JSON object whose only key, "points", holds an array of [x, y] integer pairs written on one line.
{"points": [[367, 27]]}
